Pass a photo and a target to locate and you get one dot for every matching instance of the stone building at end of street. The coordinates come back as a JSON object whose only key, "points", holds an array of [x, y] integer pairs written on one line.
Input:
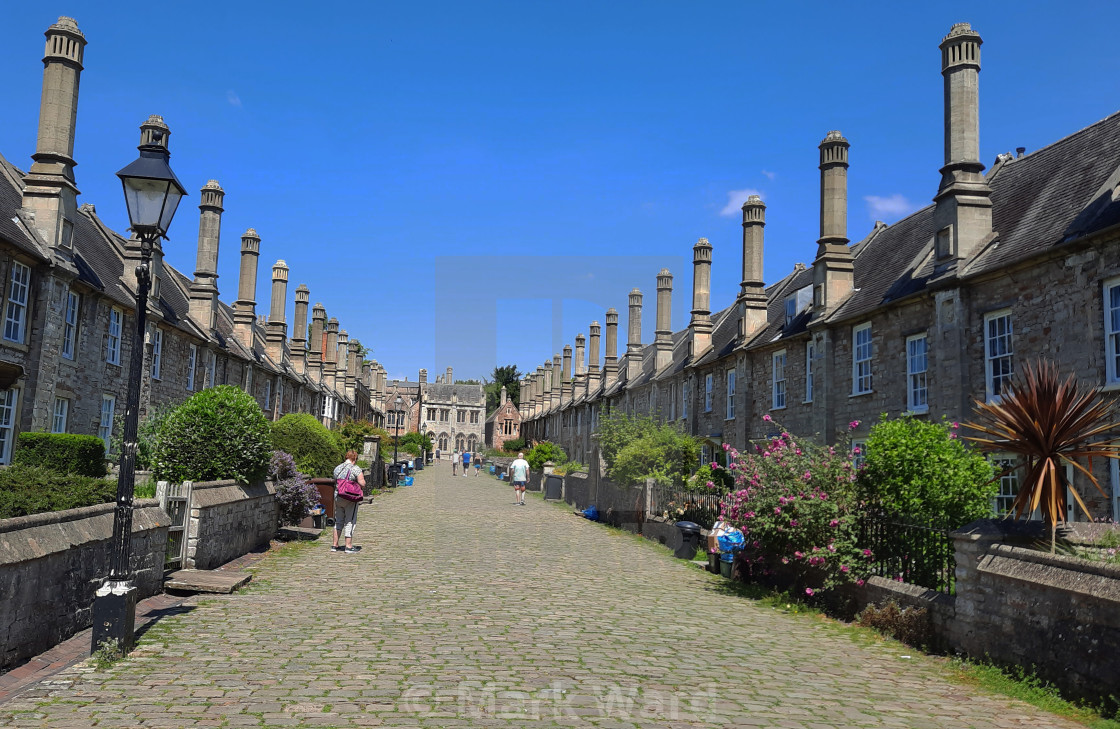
{"points": [[927, 315], [452, 414], [69, 295], [504, 424]]}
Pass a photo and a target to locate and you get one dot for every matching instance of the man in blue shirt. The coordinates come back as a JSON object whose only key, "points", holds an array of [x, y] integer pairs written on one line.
{"points": [[466, 462]]}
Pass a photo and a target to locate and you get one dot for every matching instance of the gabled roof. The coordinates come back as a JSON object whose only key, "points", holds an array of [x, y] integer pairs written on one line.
{"points": [[14, 228]]}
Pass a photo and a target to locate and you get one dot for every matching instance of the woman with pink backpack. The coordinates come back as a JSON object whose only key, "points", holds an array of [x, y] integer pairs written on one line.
{"points": [[349, 491]]}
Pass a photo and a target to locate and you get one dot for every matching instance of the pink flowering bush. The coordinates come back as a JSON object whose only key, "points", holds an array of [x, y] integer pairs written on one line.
{"points": [[794, 502]]}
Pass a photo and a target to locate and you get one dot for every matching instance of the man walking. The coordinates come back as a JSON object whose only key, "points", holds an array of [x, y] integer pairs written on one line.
{"points": [[519, 474], [466, 462], [455, 463]]}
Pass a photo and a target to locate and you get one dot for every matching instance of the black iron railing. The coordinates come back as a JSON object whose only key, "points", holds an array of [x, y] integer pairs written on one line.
{"points": [[681, 505], [909, 549]]}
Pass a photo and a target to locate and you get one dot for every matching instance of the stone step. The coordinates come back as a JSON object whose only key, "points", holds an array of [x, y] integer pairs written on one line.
{"points": [[221, 581]]}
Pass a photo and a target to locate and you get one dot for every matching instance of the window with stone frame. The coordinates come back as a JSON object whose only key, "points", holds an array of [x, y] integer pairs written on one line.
{"points": [[1008, 484], [60, 415], [211, 368], [192, 364], [708, 392], [778, 380], [8, 400], [474, 417], [917, 363], [810, 354], [1112, 331], [113, 336], [70, 324], [684, 399], [999, 353], [157, 352], [460, 416], [861, 359], [105, 424], [730, 395], [15, 319], [267, 395], [859, 451]]}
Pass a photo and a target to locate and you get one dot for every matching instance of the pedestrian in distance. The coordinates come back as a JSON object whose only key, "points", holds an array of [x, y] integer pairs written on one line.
{"points": [[346, 510], [466, 462], [477, 464], [519, 475], [455, 463], [437, 455]]}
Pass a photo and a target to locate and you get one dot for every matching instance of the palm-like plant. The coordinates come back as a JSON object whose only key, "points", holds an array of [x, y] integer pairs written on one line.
{"points": [[1048, 423]]}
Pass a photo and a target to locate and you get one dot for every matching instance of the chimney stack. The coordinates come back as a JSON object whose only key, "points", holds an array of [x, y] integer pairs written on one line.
{"points": [[504, 396], [610, 359], [245, 308], [579, 379], [298, 344], [330, 354], [566, 376], [663, 336], [634, 340], [962, 217], [276, 333], [449, 379], [833, 267], [50, 193], [700, 327], [423, 376], [752, 295], [315, 348], [353, 365], [204, 287], [593, 359], [557, 382]]}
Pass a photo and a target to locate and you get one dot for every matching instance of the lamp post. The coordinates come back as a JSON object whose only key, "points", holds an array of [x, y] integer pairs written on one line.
{"points": [[397, 434], [152, 194]]}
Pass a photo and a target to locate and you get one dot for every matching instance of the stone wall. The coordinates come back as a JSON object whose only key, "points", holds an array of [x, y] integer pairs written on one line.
{"points": [[229, 519], [50, 565]]}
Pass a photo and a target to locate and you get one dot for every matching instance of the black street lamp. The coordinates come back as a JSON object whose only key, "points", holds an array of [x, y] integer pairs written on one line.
{"points": [[397, 437], [152, 194]]}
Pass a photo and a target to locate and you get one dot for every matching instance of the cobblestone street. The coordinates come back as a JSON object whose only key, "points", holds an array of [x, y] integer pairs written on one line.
{"points": [[464, 610]]}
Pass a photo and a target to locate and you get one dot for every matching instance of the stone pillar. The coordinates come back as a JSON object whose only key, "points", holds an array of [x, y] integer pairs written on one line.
{"points": [[245, 308], [566, 376], [450, 380], [538, 391], [276, 333], [580, 377], [700, 327], [833, 267], [49, 192], [315, 346], [610, 358], [962, 217], [204, 287], [503, 396], [593, 359], [330, 354], [557, 381], [353, 365], [634, 340], [298, 345], [423, 377], [663, 336], [752, 294]]}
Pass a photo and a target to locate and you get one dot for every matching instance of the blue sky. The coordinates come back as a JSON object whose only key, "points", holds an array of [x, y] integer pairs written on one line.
{"points": [[524, 165]]}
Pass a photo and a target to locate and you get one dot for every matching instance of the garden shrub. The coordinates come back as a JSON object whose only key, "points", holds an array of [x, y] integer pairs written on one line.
{"points": [[353, 434], [921, 469], [295, 495], [217, 433], [316, 449], [909, 625], [414, 443], [616, 430], [513, 446], [146, 434], [26, 490], [664, 453], [83, 455], [543, 452]]}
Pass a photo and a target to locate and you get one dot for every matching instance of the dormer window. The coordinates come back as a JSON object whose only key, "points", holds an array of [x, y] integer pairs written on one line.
{"points": [[798, 302], [791, 308], [944, 242]]}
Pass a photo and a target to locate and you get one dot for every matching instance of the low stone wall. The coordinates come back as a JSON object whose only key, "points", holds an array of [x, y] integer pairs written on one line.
{"points": [[229, 519], [50, 565], [577, 490]]}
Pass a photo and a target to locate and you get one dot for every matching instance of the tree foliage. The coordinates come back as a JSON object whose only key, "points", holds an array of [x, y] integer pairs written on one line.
{"points": [[510, 377], [543, 452], [315, 449], [638, 447], [83, 455]]}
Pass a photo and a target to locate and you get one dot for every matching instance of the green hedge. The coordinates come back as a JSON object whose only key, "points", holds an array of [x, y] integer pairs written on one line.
{"points": [[68, 453], [315, 449], [26, 490]]}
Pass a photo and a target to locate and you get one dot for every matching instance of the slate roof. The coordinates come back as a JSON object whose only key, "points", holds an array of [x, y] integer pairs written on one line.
{"points": [[13, 228], [467, 394]]}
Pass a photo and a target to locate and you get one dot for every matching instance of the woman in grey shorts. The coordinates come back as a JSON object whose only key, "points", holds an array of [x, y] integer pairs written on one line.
{"points": [[346, 512]]}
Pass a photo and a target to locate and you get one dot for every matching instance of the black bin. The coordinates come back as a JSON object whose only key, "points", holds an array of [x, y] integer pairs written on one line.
{"points": [[419, 463], [394, 474], [690, 540], [553, 487]]}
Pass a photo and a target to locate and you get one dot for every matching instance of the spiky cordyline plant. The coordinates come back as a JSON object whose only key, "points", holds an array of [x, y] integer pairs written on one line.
{"points": [[1048, 423]]}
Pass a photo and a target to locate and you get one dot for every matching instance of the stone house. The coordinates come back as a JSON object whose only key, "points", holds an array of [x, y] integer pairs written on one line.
{"points": [[69, 301], [504, 423], [454, 415], [927, 315]]}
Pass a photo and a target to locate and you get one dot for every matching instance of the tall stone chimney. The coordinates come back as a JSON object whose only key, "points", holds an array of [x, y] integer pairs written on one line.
{"points": [[315, 346], [579, 378], [700, 327], [634, 340], [276, 333], [353, 365], [610, 358], [204, 286], [962, 217], [593, 359], [557, 382], [245, 308], [330, 354], [833, 267], [752, 294], [449, 379], [50, 194], [298, 344], [566, 376], [423, 376], [663, 336], [503, 395]]}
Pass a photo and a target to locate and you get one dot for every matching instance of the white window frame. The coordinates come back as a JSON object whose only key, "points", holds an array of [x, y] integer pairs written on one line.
{"points": [[917, 384], [157, 352], [810, 352], [267, 395], [70, 324], [113, 336], [19, 288], [1008, 485], [860, 445], [730, 394], [791, 308], [60, 415], [778, 380], [684, 400], [999, 350], [708, 392], [105, 426], [1111, 306], [192, 363], [862, 351], [9, 400]]}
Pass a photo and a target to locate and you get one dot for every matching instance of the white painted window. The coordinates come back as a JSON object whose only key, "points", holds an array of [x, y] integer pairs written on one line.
{"points": [[105, 427], [708, 393], [861, 359], [70, 325], [1008, 484], [1112, 331], [998, 353], [810, 353], [267, 395], [730, 394], [917, 363], [791, 308], [113, 340], [192, 363], [8, 400], [859, 452], [157, 352], [778, 380], [15, 321], [60, 415], [684, 399], [328, 409]]}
